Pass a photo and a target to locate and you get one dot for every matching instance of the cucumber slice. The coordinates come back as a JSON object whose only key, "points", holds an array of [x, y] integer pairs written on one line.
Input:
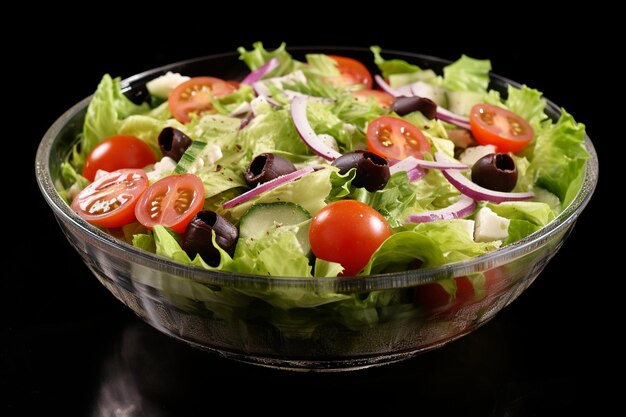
{"points": [[262, 217], [461, 102], [196, 156]]}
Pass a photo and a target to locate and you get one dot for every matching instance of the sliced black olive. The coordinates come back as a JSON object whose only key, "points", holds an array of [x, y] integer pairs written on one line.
{"points": [[197, 238], [173, 143], [405, 105], [266, 167], [372, 171], [496, 171]]}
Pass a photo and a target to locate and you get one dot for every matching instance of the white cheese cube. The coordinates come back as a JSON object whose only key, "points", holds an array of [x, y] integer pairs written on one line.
{"points": [[162, 86], [473, 154], [489, 226], [468, 226]]}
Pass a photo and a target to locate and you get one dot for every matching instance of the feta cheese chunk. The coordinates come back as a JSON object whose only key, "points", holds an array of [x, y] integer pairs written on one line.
{"points": [[489, 226], [468, 226], [164, 167], [162, 86], [473, 154]]}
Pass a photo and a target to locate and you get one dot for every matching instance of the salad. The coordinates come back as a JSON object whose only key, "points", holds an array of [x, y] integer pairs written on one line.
{"points": [[316, 168]]}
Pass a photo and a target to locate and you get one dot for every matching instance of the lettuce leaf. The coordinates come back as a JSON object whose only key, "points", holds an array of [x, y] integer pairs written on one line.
{"points": [[526, 217], [391, 66], [432, 244], [467, 74], [529, 104], [559, 158], [258, 56]]}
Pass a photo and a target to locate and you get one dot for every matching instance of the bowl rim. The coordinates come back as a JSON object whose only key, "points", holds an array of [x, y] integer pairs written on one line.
{"points": [[348, 284]]}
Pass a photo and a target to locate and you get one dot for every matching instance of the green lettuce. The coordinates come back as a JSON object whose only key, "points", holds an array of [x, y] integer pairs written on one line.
{"points": [[147, 129], [278, 254], [320, 65], [391, 66], [395, 200], [526, 217], [426, 244], [68, 178], [356, 112], [229, 103], [559, 158], [273, 131], [258, 56], [529, 104], [467, 74]]}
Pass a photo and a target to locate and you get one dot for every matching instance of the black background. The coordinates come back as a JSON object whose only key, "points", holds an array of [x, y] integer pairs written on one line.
{"points": [[69, 346]]}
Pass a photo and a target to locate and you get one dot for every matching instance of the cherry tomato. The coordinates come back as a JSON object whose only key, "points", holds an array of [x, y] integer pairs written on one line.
{"points": [[117, 152], [352, 72], [493, 125], [383, 99], [395, 138], [348, 232], [434, 299], [171, 202], [110, 201], [194, 96]]}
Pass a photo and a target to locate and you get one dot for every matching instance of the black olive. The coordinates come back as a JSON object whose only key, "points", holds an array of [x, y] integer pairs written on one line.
{"points": [[372, 171], [197, 238], [266, 167], [496, 171], [405, 105], [173, 143]]}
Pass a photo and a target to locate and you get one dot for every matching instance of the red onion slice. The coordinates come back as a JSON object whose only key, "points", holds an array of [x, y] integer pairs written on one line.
{"points": [[415, 174], [464, 207], [470, 189], [452, 118], [266, 186], [260, 72], [246, 120], [385, 87], [301, 122], [411, 162]]}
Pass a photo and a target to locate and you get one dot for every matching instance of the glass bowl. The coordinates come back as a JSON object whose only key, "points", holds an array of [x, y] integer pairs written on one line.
{"points": [[242, 317]]}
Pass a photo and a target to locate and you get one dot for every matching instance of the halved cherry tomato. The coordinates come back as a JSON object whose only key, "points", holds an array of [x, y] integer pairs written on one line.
{"points": [[194, 96], [493, 125], [110, 201], [171, 202], [352, 72], [383, 99], [348, 232], [117, 152], [395, 138], [434, 299]]}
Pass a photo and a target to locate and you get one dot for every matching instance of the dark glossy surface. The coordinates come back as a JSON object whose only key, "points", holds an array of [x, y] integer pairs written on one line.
{"points": [[69, 346]]}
